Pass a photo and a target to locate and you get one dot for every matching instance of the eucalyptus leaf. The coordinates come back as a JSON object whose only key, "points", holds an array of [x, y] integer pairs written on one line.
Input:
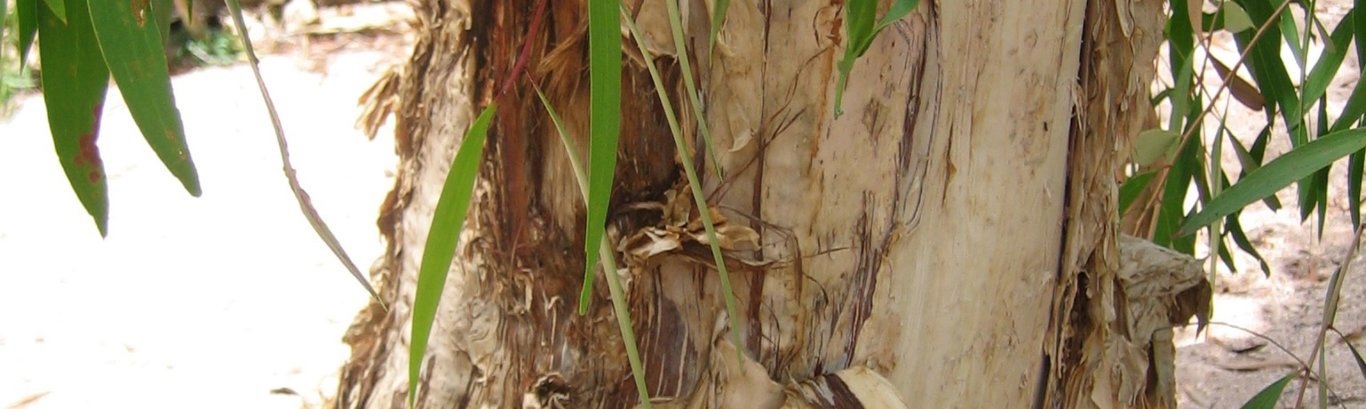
{"points": [[74, 83], [1266, 399], [1277, 174]]}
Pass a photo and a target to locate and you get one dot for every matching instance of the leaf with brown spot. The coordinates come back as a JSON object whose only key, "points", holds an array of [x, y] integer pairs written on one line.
{"points": [[74, 83], [133, 51]]}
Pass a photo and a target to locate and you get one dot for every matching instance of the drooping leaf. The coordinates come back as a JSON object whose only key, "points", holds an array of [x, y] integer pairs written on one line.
{"points": [[1153, 144], [1235, 230], [448, 219], [861, 26], [1235, 18], [718, 18], [58, 9], [1266, 399], [685, 65], [1361, 363], [1354, 172], [1316, 84], [1279, 173], [74, 83], [133, 50], [1171, 211], [604, 125], [26, 12]]}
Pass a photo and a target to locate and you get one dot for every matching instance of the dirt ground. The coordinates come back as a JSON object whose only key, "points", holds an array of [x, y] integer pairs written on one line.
{"points": [[229, 300]]}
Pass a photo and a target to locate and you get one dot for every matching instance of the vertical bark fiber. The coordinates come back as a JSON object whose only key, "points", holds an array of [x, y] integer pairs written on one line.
{"points": [[909, 253]]}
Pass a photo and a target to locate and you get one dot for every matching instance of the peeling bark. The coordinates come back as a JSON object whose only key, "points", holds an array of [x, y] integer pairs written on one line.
{"points": [[926, 248]]}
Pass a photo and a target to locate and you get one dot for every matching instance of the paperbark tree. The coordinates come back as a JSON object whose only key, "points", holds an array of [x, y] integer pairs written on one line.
{"points": [[949, 241]]}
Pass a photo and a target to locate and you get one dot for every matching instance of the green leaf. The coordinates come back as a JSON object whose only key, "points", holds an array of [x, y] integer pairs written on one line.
{"points": [[26, 11], [1235, 18], [1132, 187], [74, 83], [718, 18], [676, 26], [1316, 84], [604, 125], [900, 9], [1361, 363], [1266, 399], [162, 10], [58, 9], [1277, 174], [1235, 230], [447, 221], [1153, 144], [1354, 172], [1172, 209], [136, 58], [859, 31]]}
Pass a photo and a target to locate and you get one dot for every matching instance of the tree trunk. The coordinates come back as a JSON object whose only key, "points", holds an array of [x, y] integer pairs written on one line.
{"points": [[950, 240]]}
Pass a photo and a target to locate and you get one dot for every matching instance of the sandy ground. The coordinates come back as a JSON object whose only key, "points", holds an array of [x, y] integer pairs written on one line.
{"points": [[209, 302], [230, 301]]}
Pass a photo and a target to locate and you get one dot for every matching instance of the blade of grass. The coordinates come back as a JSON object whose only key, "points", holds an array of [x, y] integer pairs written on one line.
{"points": [[604, 124], [681, 47], [700, 198], [718, 18], [1280, 172], [448, 219], [74, 83], [305, 204], [58, 9], [1361, 363], [619, 306], [137, 60], [26, 12], [1267, 397]]}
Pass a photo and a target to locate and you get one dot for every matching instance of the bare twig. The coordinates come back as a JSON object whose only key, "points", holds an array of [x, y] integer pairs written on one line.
{"points": [[305, 205]]}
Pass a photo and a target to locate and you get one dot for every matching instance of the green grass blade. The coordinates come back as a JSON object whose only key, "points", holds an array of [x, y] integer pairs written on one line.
{"points": [[447, 221], [676, 26], [718, 18], [1316, 84], [859, 17], [74, 83], [1279, 173], [58, 9], [1266, 399], [1354, 172], [619, 306], [1361, 363], [137, 60], [699, 197], [569, 148], [26, 11], [899, 10], [604, 125]]}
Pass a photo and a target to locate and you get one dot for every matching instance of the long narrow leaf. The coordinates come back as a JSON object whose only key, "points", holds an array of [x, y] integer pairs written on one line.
{"points": [[132, 48], [26, 11], [1131, 188], [1361, 363], [718, 18], [1279, 173], [447, 221], [619, 306], [1266, 399], [604, 125], [74, 84], [58, 9], [1316, 83], [694, 183], [676, 27]]}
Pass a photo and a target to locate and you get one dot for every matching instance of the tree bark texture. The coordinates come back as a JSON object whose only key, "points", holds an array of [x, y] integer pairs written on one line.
{"points": [[949, 241]]}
